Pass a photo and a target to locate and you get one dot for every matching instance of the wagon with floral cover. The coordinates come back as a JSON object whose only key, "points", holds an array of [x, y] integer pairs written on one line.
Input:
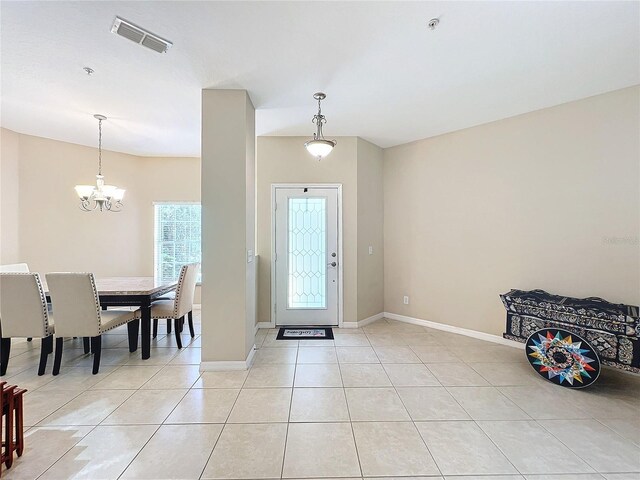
{"points": [[568, 339]]}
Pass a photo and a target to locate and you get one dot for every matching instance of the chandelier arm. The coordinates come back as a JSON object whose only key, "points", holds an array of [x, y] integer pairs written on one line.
{"points": [[85, 205], [115, 207]]}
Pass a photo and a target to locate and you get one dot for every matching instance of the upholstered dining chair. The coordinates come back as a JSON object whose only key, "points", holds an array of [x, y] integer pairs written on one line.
{"points": [[15, 268], [77, 307], [180, 306], [24, 314]]}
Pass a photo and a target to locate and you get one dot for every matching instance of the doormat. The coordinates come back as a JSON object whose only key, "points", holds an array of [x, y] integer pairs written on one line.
{"points": [[305, 333]]}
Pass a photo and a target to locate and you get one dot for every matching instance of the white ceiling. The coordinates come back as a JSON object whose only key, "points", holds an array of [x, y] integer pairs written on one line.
{"points": [[388, 78]]}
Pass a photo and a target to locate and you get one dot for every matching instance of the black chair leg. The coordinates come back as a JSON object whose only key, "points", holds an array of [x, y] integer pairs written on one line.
{"points": [[133, 332], [177, 329], [46, 348], [191, 331], [96, 348], [155, 327], [86, 344], [168, 326], [5, 350], [58, 356], [29, 339]]}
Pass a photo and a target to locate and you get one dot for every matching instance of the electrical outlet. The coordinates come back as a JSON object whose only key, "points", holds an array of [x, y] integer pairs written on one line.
{"points": [[370, 250], [406, 300]]}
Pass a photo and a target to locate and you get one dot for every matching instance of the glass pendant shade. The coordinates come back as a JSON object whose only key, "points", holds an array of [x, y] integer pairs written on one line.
{"points": [[84, 191], [109, 190], [319, 148]]}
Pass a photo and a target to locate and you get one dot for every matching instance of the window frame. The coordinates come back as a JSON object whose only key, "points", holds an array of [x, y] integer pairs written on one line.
{"points": [[156, 243]]}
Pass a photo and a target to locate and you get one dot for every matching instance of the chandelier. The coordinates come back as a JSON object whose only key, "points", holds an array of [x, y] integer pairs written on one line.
{"points": [[101, 196], [319, 147]]}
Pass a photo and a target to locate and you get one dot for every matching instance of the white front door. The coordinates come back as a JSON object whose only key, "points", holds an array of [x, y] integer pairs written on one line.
{"points": [[306, 256]]}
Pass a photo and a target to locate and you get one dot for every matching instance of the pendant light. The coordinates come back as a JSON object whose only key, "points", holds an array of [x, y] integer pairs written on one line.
{"points": [[100, 196], [319, 147]]}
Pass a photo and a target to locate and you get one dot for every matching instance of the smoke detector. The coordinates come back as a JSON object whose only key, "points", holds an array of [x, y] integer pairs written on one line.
{"points": [[139, 35]]}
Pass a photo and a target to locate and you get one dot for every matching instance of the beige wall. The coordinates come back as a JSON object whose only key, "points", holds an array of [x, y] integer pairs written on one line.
{"points": [[228, 216], [9, 197], [55, 235], [547, 200], [370, 230], [285, 160], [357, 165]]}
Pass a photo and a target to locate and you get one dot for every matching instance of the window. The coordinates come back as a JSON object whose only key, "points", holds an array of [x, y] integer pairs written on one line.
{"points": [[178, 236]]}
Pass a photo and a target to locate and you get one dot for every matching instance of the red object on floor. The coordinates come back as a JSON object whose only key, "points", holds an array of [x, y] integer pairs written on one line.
{"points": [[12, 419]]}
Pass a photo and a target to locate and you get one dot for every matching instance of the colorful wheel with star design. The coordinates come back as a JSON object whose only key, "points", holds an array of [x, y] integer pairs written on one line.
{"points": [[563, 358]]}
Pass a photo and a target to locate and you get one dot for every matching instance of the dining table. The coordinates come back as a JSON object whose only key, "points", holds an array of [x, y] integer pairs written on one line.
{"points": [[131, 292]]}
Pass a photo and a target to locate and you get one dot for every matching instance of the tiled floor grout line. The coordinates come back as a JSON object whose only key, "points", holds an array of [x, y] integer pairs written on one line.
{"points": [[101, 423], [408, 414], [66, 451], [139, 451], [465, 410], [400, 332], [537, 421], [286, 435], [483, 432], [161, 423], [215, 444], [567, 446], [353, 433]]}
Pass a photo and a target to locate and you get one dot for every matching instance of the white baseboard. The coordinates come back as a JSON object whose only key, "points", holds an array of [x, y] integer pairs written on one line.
{"points": [[264, 325], [452, 329], [349, 324], [226, 365], [363, 322]]}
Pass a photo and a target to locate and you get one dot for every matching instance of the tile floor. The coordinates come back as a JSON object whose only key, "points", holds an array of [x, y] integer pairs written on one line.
{"points": [[389, 400]]}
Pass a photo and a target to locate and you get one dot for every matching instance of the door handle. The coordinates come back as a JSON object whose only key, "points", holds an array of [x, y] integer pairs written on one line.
{"points": [[332, 264]]}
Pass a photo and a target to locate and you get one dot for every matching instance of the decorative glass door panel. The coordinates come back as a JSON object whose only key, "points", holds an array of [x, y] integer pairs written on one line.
{"points": [[307, 253], [306, 250]]}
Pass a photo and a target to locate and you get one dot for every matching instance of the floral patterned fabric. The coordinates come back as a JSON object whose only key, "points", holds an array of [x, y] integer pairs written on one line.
{"points": [[612, 330]]}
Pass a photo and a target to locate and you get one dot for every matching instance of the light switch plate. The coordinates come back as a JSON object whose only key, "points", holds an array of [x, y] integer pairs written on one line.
{"points": [[249, 256], [370, 250]]}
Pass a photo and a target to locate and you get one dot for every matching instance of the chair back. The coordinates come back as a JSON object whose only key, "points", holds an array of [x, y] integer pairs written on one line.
{"points": [[76, 305], [14, 268], [23, 306], [186, 289]]}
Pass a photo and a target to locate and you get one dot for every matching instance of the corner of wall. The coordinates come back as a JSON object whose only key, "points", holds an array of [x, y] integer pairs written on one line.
{"points": [[370, 227]]}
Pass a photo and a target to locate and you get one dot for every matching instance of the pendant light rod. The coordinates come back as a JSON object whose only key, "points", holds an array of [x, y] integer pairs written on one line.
{"points": [[319, 147], [318, 118]]}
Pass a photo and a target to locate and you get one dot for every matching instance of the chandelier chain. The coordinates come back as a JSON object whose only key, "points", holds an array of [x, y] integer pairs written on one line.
{"points": [[99, 146]]}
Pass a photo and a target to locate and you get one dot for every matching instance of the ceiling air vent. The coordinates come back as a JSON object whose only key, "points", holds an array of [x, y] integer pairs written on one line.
{"points": [[139, 35]]}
